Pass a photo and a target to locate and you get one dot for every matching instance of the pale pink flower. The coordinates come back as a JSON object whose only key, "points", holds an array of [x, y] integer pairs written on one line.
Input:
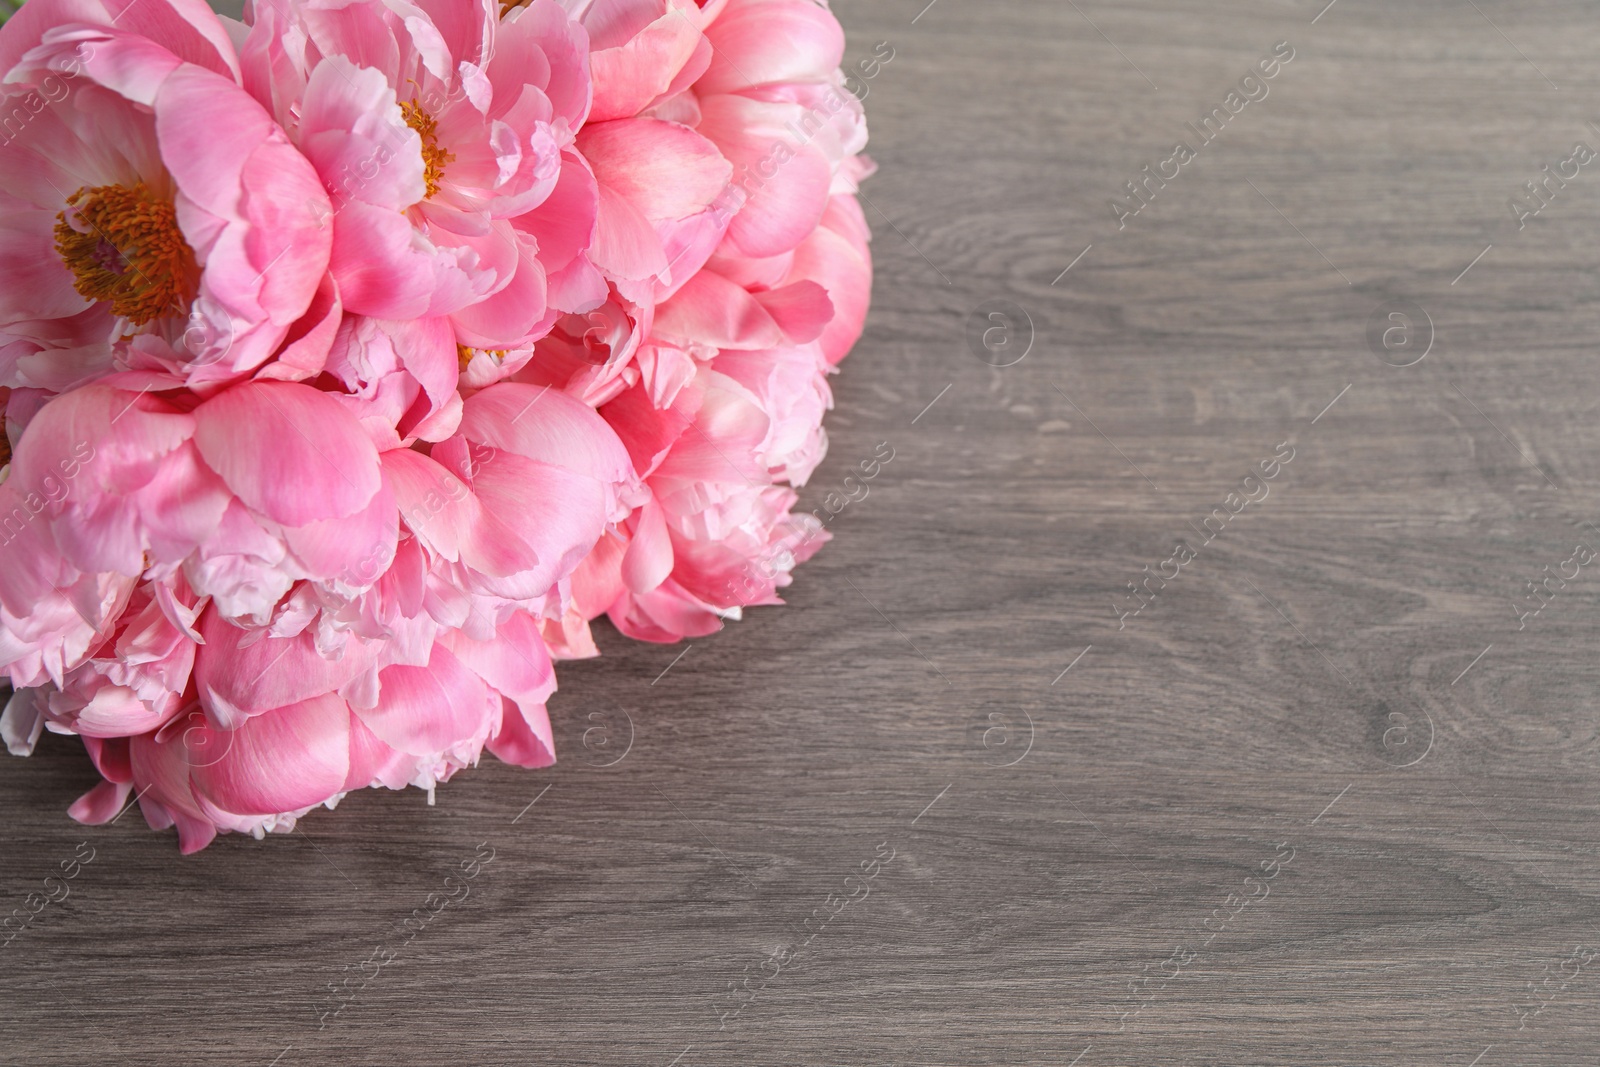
{"points": [[426, 722], [721, 399], [241, 500], [134, 682], [433, 126], [773, 101], [155, 217], [564, 353], [264, 631], [260, 485], [687, 555]]}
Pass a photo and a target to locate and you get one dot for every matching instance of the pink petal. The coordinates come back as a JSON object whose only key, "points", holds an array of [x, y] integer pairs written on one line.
{"points": [[548, 426], [258, 201], [288, 451], [625, 244], [289, 758], [787, 187], [273, 672], [844, 269], [666, 614], [507, 318], [646, 431], [515, 662], [630, 76], [386, 270], [305, 346], [525, 738], [648, 561], [448, 518], [537, 44], [760, 42], [711, 310], [558, 513], [349, 548], [424, 710], [161, 774], [101, 804], [187, 28], [564, 223], [664, 170], [802, 309], [372, 761]]}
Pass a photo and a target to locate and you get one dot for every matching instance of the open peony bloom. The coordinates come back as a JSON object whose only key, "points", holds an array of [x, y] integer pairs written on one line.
{"points": [[209, 602], [155, 216], [426, 722], [355, 356], [720, 392], [433, 127]]}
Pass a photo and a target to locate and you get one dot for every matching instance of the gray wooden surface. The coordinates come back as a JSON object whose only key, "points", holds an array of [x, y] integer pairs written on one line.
{"points": [[1070, 891]]}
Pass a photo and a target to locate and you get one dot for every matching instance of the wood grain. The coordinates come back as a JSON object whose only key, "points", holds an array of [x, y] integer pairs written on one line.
{"points": [[1300, 684]]}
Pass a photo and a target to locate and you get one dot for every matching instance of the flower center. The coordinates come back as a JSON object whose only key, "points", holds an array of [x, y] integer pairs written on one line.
{"points": [[464, 354], [434, 158], [123, 245]]}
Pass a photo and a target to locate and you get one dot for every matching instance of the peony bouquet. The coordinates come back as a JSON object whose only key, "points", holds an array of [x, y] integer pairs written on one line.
{"points": [[355, 356]]}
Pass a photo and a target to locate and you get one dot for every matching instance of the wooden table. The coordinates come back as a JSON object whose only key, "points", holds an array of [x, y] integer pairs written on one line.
{"points": [[1327, 798]]}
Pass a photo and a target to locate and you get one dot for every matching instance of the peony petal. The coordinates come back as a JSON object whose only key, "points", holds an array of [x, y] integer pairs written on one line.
{"points": [[525, 738], [648, 561], [288, 758], [785, 177], [760, 42], [664, 170], [714, 311], [235, 680], [515, 662], [630, 76], [424, 710], [548, 426], [101, 804], [288, 451], [352, 549], [22, 721]]}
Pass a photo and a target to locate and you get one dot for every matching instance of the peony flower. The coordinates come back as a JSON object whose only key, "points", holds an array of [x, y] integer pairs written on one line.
{"points": [[155, 216], [773, 101], [433, 128], [382, 354], [427, 722], [241, 492], [239, 501], [684, 560], [721, 388], [260, 629]]}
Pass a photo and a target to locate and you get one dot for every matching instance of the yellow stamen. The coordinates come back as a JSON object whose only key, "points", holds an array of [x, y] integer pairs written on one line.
{"points": [[123, 245], [464, 354], [434, 158]]}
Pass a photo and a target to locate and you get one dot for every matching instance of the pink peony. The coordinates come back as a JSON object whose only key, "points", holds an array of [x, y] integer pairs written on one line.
{"points": [[155, 216], [435, 128], [426, 722], [773, 100], [245, 591], [720, 389], [373, 360]]}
